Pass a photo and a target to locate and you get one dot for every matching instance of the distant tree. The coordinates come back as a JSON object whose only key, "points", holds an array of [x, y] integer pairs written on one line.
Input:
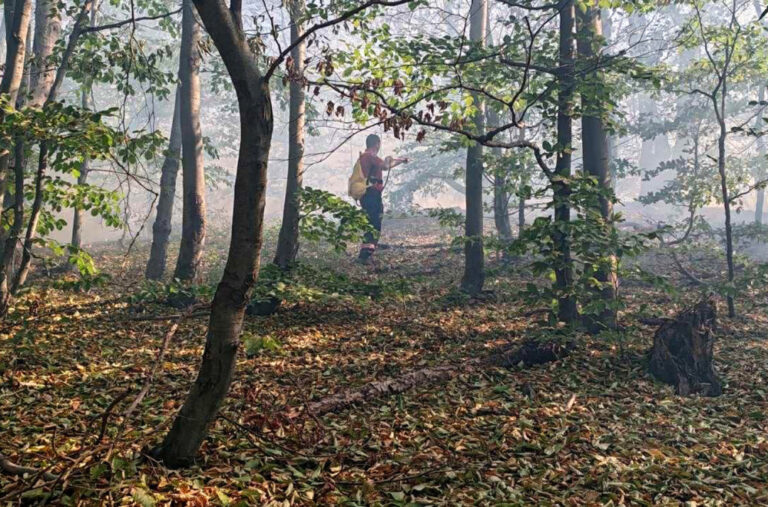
{"points": [[188, 263], [82, 177], [161, 229], [567, 310], [474, 256], [597, 158], [288, 239]]}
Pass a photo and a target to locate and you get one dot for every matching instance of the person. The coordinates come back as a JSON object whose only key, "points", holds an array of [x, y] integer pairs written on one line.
{"points": [[373, 169]]}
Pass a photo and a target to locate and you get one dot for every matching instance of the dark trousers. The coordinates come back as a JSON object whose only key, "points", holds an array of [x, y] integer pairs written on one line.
{"points": [[374, 210]]}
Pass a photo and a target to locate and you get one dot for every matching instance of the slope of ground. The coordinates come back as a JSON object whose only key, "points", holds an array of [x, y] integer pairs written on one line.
{"points": [[593, 428]]}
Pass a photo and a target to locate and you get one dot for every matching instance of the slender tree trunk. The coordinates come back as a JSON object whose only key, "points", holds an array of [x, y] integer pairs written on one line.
{"points": [[18, 14], [760, 172], [500, 192], [193, 178], [288, 239], [597, 161], [228, 308], [42, 166], [501, 208], [161, 230], [47, 31], [474, 257], [10, 238], [724, 189], [520, 216], [561, 237], [82, 178], [3, 26]]}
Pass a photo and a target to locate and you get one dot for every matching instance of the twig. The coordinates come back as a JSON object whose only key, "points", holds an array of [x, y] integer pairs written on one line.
{"points": [[174, 316], [108, 411], [693, 278], [400, 478], [14, 469]]}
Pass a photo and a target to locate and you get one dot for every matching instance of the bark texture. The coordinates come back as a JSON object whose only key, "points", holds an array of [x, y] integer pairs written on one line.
{"points": [[288, 239], [218, 363], [47, 31], [18, 13], [474, 257], [566, 308], [82, 178], [500, 193], [6, 289], [193, 178], [161, 229], [760, 172], [596, 156], [682, 353]]}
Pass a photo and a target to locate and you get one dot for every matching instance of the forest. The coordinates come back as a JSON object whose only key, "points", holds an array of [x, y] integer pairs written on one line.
{"points": [[383, 252]]}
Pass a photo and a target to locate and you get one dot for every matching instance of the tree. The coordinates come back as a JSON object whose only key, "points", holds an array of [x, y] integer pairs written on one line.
{"points": [[288, 239], [18, 13], [193, 177], [224, 24], [161, 229], [566, 308], [500, 189], [86, 103], [474, 256], [597, 163]]}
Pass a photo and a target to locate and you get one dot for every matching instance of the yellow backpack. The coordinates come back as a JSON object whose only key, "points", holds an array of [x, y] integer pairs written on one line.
{"points": [[358, 183]]}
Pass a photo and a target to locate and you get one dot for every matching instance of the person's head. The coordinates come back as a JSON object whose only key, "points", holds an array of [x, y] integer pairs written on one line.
{"points": [[373, 143]]}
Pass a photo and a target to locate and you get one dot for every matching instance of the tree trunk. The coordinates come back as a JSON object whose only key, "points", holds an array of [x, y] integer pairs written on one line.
{"points": [[682, 352], [85, 102], [42, 167], [474, 256], [597, 162], [210, 388], [10, 238], [18, 14], [520, 216], [726, 200], [193, 178], [561, 237], [161, 229], [47, 30], [760, 172], [288, 239], [500, 192]]}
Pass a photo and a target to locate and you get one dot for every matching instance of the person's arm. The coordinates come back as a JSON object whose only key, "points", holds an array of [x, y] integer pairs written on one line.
{"points": [[391, 162]]}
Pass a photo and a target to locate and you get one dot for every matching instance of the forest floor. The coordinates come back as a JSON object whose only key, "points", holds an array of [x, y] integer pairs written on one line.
{"points": [[593, 428]]}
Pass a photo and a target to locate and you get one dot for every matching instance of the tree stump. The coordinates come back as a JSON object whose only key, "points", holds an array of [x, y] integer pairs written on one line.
{"points": [[682, 351]]}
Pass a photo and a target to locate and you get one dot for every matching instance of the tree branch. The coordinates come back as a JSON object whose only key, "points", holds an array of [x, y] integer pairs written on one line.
{"points": [[129, 21], [331, 22]]}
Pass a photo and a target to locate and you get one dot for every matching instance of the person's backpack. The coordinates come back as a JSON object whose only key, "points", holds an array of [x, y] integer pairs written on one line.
{"points": [[358, 183]]}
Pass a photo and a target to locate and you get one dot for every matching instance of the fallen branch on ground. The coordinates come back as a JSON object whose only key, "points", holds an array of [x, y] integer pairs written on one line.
{"points": [[529, 353]]}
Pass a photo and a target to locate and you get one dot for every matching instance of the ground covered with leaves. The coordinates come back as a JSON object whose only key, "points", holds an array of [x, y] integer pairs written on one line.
{"points": [[592, 428]]}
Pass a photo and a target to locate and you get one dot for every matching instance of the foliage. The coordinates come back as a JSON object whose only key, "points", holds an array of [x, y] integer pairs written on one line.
{"points": [[595, 245], [157, 292], [306, 283], [327, 217]]}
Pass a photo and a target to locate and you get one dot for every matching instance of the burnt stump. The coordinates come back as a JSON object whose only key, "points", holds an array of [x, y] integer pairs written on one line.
{"points": [[682, 352]]}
